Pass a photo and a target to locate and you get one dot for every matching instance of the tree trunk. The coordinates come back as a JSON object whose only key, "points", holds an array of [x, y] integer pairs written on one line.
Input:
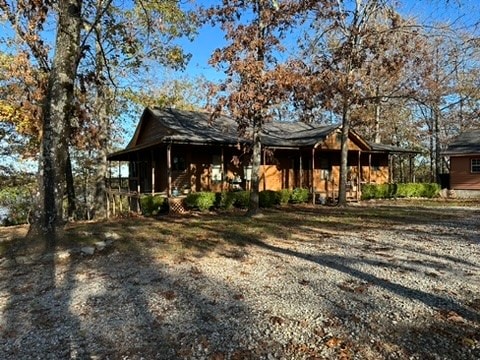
{"points": [[342, 191], [101, 105], [377, 138], [431, 149], [436, 120], [71, 202], [57, 110], [253, 205]]}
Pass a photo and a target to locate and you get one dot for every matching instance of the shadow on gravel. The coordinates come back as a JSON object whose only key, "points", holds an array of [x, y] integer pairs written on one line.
{"points": [[119, 304], [339, 263], [426, 340], [36, 320], [453, 320], [129, 302]]}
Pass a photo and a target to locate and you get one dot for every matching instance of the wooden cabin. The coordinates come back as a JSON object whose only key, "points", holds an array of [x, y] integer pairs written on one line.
{"points": [[464, 153], [175, 151]]}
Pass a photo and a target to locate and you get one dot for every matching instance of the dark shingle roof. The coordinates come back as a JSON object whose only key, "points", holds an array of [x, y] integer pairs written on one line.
{"points": [[465, 143], [391, 149], [193, 127], [180, 126]]}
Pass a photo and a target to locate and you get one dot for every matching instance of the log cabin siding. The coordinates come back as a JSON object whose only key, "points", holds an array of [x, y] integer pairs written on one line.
{"points": [[165, 136], [333, 142], [192, 170], [461, 177]]}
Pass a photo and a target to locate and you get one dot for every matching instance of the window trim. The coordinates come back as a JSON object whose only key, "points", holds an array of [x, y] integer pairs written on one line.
{"points": [[475, 165]]}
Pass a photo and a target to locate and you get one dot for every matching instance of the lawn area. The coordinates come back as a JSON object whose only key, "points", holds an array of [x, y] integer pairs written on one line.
{"points": [[375, 280]]}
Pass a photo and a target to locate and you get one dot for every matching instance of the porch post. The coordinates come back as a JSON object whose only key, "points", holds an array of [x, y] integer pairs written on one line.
{"points": [[410, 165], [369, 168], [390, 168], [222, 168], [138, 173], [301, 170], [359, 175], [119, 175], [169, 170], [153, 172], [313, 175], [264, 170]]}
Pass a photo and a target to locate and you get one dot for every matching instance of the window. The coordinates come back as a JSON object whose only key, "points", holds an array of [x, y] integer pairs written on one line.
{"points": [[217, 168], [325, 169], [475, 166], [179, 163], [247, 172], [375, 163]]}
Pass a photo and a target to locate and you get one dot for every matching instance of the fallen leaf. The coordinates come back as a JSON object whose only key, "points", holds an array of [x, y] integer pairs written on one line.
{"points": [[218, 356], [238, 297], [453, 316], [468, 342], [169, 295], [333, 342], [277, 320]]}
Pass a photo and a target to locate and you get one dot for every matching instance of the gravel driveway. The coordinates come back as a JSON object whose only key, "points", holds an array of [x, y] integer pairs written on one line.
{"points": [[315, 287]]}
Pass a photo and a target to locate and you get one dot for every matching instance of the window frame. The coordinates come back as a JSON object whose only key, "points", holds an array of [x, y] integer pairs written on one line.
{"points": [[475, 165]]}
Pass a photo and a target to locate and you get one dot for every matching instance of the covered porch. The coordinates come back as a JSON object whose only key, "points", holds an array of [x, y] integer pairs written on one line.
{"points": [[174, 169]]}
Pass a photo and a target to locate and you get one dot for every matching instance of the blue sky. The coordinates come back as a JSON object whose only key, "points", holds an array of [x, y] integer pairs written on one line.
{"points": [[458, 12]]}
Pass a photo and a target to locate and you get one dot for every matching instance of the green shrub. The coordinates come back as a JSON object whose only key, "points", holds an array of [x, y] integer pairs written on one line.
{"points": [[299, 195], [368, 191], [384, 191], [380, 191], [268, 198], [242, 199], [284, 196], [152, 205], [229, 199], [431, 190], [202, 201], [225, 200]]}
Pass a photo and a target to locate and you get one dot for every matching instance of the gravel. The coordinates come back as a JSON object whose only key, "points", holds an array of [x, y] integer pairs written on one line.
{"points": [[409, 291]]}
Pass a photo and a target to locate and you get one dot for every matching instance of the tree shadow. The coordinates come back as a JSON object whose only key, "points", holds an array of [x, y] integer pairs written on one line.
{"points": [[36, 318], [135, 300], [422, 340], [121, 302]]}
